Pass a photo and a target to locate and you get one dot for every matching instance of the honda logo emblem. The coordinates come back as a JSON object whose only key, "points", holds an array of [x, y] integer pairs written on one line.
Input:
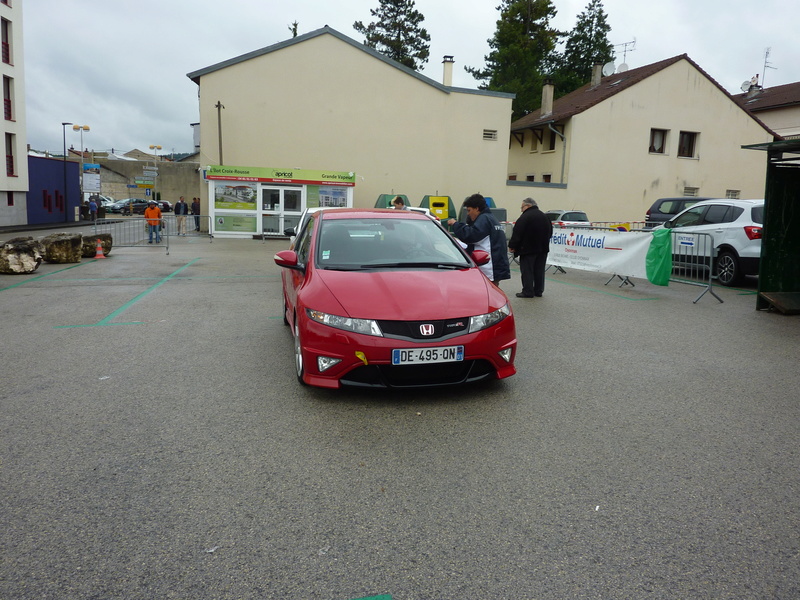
{"points": [[426, 329]]}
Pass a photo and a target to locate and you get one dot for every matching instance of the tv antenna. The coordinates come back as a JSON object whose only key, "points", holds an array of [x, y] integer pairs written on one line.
{"points": [[626, 49], [767, 65]]}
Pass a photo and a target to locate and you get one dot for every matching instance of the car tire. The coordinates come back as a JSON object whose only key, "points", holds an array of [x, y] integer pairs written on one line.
{"points": [[729, 272], [298, 355]]}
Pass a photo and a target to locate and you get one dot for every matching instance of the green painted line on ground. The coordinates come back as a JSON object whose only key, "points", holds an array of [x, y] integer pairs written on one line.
{"points": [[382, 597], [127, 305], [40, 277]]}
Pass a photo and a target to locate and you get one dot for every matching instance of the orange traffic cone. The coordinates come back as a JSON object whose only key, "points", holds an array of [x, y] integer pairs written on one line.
{"points": [[99, 253]]}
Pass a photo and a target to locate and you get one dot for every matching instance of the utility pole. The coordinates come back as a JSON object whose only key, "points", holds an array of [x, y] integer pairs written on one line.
{"points": [[219, 106]]}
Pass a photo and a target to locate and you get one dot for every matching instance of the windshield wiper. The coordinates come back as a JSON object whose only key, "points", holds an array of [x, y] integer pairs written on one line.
{"points": [[431, 265]]}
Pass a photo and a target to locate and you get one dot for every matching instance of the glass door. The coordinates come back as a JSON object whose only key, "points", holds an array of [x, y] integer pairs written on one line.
{"points": [[281, 207]]}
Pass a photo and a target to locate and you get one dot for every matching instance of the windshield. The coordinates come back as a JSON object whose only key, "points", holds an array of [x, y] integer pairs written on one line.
{"points": [[367, 243]]}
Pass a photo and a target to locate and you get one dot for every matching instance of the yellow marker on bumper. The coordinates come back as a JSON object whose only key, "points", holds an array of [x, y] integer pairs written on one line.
{"points": [[362, 357]]}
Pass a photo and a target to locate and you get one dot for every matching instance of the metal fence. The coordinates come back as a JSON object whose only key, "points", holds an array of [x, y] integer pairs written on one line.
{"points": [[131, 232], [693, 258]]}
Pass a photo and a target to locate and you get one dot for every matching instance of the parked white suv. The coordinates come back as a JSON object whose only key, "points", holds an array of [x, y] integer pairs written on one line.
{"points": [[736, 227], [568, 218]]}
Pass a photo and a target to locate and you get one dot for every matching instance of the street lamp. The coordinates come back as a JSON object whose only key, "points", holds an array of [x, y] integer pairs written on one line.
{"points": [[155, 148], [64, 130], [81, 128]]}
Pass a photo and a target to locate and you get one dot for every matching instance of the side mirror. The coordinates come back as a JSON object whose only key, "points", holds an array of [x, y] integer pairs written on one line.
{"points": [[287, 259], [289, 232], [481, 257]]}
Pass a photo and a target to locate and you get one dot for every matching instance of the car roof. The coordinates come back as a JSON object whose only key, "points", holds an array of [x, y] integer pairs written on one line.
{"points": [[743, 203], [366, 213]]}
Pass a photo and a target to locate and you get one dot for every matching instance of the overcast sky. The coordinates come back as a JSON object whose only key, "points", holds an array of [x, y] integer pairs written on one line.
{"points": [[120, 67]]}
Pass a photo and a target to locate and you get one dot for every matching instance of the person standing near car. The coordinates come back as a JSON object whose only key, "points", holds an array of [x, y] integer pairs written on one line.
{"points": [[181, 210], [399, 204], [483, 232], [153, 215], [93, 208], [196, 213], [530, 240]]}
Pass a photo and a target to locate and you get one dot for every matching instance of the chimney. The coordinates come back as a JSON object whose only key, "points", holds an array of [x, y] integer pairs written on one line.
{"points": [[548, 89], [447, 78], [597, 74]]}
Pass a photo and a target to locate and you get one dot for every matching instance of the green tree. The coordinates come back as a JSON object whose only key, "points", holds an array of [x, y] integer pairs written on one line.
{"points": [[586, 45], [397, 32], [522, 53]]}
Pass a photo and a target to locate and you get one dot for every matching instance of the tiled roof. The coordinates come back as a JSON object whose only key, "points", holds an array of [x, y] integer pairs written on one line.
{"points": [[769, 98], [588, 96]]}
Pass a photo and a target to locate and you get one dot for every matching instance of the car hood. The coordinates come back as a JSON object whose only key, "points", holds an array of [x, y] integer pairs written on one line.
{"points": [[412, 295]]}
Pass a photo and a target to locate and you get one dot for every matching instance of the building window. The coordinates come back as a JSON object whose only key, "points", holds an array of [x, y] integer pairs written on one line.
{"points": [[10, 154], [546, 178], [490, 134], [5, 35], [536, 139], [530, 178], [7, 96], [512, 177], [658, 141], [686, 144], [554, 136], [10, 198], [692, 192], [733, 194]]}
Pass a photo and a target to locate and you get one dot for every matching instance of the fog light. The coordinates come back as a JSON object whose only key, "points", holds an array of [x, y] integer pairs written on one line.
{"points": [[326, 362], [506, 354]]}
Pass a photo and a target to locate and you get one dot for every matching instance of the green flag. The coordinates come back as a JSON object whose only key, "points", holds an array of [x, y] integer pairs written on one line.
{"points": [[659, 257]]}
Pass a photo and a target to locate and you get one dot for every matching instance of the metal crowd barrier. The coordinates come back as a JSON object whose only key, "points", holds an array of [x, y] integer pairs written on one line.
{"points": [[693, 257], [131, 232], [196, 226]]}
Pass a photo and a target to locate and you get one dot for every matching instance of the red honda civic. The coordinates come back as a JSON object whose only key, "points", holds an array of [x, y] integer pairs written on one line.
{"points": [[387, 298]]}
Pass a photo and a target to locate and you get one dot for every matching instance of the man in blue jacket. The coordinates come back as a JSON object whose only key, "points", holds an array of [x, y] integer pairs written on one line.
{"points": [[483, 232], [530, 240]]}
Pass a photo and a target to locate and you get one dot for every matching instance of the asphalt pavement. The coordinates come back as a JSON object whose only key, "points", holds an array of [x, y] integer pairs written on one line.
{"points": [[155, 443]]}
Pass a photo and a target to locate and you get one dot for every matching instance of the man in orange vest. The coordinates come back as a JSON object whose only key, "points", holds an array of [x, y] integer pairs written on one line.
{"points": [[153, 215]]}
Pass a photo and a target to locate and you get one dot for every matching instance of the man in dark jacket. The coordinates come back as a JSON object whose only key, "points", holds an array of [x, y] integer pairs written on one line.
{"points": [[484, 232], [181, 210], [530, 240]]}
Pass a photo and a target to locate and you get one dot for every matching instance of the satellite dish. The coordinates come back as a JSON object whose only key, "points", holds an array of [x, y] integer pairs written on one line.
{"points": [[745, 85], [622, 68], [608, 68]]}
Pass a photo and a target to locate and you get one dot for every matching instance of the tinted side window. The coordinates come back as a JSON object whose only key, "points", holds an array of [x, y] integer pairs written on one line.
{"points": [[304, 241], [717, 214], [575, 216], [693, 216], [757, 214]]}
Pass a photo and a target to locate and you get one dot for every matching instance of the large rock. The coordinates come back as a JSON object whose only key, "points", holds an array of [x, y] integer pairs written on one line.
{"points": [[63, 247], [20, 255], [90, 244]]}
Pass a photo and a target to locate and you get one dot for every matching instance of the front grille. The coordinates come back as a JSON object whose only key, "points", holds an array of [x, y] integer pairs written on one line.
{"points": [[412, 330], [403, 376]]}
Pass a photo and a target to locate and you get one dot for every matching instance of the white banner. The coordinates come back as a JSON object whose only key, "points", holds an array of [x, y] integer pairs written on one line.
{"points": [[616, 252]]}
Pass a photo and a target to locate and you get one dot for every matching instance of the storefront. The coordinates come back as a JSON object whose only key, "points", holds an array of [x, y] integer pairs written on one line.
{"points": [[248, 201]]}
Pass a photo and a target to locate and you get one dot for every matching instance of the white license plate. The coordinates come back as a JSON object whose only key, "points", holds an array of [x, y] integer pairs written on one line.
{"points": [[420, 356]]}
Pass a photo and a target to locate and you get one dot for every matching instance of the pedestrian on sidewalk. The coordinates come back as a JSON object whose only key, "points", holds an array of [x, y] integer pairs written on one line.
{"points": [[181, 210], [530, 240], [153, 215]]}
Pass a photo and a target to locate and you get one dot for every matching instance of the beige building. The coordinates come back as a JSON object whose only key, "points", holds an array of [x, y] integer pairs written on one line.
{"points": [[322, 101], [14, 178], [620, 142]]}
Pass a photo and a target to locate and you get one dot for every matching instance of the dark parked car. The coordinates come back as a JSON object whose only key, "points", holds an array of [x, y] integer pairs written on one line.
{"points": [[139, 204], [664, 209]]}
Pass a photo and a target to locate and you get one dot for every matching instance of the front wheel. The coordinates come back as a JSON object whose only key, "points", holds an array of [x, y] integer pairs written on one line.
{"points": [[298, 354], [728, 271]]}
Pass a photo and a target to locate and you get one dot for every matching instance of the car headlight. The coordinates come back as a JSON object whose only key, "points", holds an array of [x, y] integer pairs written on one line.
{"points": [[365, 326], [489, 319]]}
